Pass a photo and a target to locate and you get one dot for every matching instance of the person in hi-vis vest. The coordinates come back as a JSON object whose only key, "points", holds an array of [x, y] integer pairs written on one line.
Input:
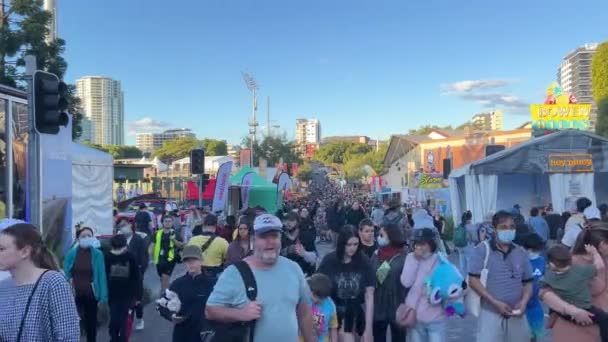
{"points": [[164, 249]]}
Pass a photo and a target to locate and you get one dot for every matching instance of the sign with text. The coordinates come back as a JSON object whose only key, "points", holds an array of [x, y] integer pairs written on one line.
{"points": [[429, 180], [568, 163], [559, 111]]}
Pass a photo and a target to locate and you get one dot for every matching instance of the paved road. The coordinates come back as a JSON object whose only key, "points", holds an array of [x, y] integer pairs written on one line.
{"points": [[158, 329]]}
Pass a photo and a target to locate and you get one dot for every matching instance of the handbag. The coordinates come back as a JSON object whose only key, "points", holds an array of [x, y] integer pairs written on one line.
{"points": [[27, 306], [405, 316], [472, 300]]}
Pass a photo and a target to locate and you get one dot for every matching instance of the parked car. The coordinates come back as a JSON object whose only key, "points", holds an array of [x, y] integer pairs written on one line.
{"points": [[157, 205]]}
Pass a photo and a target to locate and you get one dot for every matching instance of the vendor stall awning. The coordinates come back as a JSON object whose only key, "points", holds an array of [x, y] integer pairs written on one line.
{"points": [[532, 157]]}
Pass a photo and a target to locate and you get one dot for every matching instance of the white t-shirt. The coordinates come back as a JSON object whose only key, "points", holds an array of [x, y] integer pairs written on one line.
{"points": [[573, 228], [4, 275]]}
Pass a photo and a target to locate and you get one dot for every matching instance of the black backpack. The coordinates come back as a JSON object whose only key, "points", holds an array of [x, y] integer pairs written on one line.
{"points": [[238, 331]]}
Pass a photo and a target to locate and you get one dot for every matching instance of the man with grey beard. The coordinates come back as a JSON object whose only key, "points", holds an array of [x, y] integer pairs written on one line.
{"points": [[280, 307]]}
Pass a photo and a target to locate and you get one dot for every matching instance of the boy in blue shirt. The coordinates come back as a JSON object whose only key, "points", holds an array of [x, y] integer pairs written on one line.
{"points": [[325, 319], [534, 244]]}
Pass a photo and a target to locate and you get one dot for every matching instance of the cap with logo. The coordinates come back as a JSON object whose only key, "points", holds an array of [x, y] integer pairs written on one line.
{"points": [[267, 223]]}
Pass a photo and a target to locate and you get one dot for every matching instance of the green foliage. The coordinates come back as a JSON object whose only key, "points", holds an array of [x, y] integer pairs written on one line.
{"points": [[23, 29], [305, 173], [426, 129], [272, 148], [215, 147], [335, 153], [599, 70], [180, 148], [119, 151], [356, 167], [176, 149]]}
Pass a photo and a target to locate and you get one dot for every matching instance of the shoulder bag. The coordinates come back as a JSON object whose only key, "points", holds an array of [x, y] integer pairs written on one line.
{"points": [[472, 299], [27, 306]]}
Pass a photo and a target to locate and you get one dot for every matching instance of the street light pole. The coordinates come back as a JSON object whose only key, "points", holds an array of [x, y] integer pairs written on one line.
{"points": [[253, 124]]}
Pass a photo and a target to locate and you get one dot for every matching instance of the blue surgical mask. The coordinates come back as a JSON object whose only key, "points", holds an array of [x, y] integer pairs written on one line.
{"points": [[89, 242], [506, 236], [382, 241]]}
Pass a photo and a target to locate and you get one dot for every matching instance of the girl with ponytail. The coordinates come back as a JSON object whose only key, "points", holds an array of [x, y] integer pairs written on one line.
{"points": [[37, 302]]}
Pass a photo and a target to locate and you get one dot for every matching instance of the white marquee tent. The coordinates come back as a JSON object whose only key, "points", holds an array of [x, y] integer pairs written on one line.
{"points": [[521, 175]]}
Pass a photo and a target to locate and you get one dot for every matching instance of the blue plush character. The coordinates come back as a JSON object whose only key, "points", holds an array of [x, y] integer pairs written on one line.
{"points": [[446, 286]]}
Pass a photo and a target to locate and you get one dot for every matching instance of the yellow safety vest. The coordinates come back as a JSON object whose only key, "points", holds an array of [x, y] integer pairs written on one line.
{"points": [[157, 243]]}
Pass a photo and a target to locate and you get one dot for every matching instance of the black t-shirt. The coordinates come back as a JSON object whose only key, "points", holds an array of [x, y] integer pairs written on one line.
{"points": [[438, 223], [349, 281], [306, 238], [369, 250], [142, 222]]}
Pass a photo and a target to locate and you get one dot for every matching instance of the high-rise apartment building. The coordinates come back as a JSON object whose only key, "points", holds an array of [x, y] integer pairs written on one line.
{"points": [[87, 130], [308, 132], [489, 121], [149, 142], [574, 76], [103, 103]]}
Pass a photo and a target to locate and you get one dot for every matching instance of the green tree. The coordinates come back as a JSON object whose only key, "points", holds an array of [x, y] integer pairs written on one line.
{"points": [[176, 149], [119, 151], [305, 172], [599, 71], [332, 153], [215, 147], [273, 149], [426, 129], [23, 31]]}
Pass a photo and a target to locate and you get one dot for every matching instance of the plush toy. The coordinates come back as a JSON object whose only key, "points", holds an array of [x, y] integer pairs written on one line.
{"points": [[447, 286]]}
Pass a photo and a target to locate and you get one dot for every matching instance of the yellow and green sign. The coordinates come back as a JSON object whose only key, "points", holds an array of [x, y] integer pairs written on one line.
{"points": [[560, 111]]}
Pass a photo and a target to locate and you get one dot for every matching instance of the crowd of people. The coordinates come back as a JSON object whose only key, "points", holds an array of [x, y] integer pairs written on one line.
{"points": [[330, 265]]}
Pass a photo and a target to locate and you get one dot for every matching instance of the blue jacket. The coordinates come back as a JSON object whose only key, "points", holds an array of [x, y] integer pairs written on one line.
{"points": [[100, 282]]}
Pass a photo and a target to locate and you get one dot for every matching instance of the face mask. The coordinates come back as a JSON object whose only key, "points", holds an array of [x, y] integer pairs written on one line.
{"points": [[506, 236], [382, 241], [426, 255], [126, 231], [86, 242], [533, 255]]}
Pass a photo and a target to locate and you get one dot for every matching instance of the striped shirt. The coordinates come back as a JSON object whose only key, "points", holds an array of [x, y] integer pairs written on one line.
{"points": [[52, 315], [508, 272]]}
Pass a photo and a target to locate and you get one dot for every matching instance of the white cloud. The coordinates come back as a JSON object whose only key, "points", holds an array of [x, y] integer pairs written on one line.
{"points": [[498, 100], [468, 86], [145, 125]]}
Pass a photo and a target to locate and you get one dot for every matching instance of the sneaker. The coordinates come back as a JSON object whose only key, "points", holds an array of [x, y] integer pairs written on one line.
{"points": [[139, 325]]}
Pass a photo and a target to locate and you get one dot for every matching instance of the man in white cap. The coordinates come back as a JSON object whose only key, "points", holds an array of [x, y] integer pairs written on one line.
{"points": [[5, 223], [270, 316]]}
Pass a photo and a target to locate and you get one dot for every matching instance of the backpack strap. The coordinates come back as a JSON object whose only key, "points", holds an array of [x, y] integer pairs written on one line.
{"points": [[208, 243], [251, 288]]}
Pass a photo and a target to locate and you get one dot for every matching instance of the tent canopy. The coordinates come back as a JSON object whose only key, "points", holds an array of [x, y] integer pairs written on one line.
{"points": [[256, 179], [532, 156]]}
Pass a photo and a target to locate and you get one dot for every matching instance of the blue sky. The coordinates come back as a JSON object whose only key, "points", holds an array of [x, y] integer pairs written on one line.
{"points": [[371, 68]]}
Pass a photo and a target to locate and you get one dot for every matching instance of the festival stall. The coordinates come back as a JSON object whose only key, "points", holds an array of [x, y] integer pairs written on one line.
{"points": [[562, 163], [557, 168], [429, 190], [255, 190]]}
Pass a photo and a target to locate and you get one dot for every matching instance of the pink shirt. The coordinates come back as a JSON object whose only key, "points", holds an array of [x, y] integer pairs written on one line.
{"points": [[414, 273]]}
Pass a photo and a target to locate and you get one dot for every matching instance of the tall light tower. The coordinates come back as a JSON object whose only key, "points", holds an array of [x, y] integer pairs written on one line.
{"points": [[253, 123], [51, 6]]}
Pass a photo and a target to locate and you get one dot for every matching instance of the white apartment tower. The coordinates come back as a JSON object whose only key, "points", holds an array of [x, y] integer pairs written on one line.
{"points": [[103, 103], [149, 142], [308, 131], [574, 76], [489, 121]]}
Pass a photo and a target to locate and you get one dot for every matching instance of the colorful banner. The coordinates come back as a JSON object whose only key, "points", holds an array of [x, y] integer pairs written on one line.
{"points": [[559, 111], [246, 189], [570, 162], [245, 158], [283, 185], [429, 181], [221, 187]]}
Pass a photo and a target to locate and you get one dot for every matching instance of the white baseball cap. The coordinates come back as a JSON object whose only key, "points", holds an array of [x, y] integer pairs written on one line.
{"points": [[592, 213], [266, 223]]}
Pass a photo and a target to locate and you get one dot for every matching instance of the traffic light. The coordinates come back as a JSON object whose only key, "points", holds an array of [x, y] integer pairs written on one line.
{"points": [[197, 162], [50, 103]]}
